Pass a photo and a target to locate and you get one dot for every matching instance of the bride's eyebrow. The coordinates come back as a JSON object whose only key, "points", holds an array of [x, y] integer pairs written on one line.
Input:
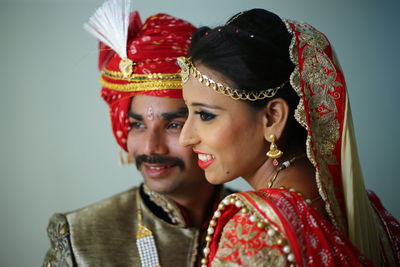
{"points": [[197, 104]]}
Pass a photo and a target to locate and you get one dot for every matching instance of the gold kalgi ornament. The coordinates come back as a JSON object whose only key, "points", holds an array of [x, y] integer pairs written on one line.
{"points": [[126, 67]]}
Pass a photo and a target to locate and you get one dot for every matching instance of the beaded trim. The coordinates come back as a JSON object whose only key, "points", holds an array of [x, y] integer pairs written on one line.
{"points": [[272, 230], [188, 69], [145, 241], [167, 205]]}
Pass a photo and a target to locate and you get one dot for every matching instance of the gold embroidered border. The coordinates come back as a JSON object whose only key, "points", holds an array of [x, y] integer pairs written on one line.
{"points": [[143, 86], [141, 77], [324, 128], [269, 212]]}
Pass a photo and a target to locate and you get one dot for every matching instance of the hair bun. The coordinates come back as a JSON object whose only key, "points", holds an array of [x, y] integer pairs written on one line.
{"points": [[202, 31]]}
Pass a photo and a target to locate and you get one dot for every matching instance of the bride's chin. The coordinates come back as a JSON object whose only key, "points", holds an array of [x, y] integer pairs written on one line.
{"points": [[216, 179]]}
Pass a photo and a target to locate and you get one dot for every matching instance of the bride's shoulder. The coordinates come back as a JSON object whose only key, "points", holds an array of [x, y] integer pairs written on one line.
{"points": [[248, 232]]}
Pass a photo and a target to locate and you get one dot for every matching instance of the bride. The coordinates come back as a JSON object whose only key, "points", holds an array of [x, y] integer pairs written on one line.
{"points": [[267, 102]]}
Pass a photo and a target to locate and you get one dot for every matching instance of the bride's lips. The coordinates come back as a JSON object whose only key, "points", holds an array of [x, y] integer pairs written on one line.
{"points": [[205, 160], [157, 170]]}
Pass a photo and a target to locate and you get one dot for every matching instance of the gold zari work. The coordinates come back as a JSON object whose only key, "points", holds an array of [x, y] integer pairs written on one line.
{"points": [[270, 256], [141, 77], [140, 82], [319, 76], [247, 239], [143, 86]]}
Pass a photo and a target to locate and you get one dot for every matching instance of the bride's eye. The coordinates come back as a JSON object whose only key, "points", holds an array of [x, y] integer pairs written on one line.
{"points": [[204, 115]]}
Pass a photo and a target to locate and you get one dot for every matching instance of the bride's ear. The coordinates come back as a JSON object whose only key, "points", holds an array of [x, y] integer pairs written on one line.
{"points": [[275, 117]]}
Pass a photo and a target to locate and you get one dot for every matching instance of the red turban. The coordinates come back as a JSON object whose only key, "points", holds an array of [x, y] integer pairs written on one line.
{"points": [[153, 48]]}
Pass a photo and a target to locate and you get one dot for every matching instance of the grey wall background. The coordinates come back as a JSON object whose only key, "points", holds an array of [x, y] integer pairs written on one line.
{"points": [[57, 149]]}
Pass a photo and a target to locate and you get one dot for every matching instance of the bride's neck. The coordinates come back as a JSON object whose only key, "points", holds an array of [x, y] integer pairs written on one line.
{"points": [[299, 167], [260, 177]]}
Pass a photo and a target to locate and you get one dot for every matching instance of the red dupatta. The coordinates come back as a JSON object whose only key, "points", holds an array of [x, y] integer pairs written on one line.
{"points": [[324, 111]]}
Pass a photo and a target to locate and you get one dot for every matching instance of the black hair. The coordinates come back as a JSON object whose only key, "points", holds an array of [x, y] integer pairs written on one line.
{"points": [[252, 52]]}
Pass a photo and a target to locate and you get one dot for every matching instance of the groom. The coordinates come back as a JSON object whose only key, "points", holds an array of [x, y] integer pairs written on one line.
{"points": [[163, 221]]}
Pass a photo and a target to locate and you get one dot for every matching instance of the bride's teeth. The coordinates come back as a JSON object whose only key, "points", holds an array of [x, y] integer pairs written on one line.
{"points": [[205, 157]]}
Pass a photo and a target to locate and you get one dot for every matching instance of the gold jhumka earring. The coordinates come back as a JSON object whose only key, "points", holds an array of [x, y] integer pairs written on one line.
{"points": [[274, 152]]}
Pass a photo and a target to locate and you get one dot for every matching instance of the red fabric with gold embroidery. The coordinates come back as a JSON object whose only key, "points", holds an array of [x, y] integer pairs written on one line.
{"points": [[321, 84], [324, 103], [313, 239], [153, 47]]}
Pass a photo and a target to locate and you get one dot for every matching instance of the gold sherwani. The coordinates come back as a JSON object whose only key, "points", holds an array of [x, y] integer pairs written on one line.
{"points": [[104, 234]]}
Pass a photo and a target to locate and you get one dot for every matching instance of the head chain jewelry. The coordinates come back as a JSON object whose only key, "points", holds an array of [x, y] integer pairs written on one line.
{"points": [[235, 17], [188, 68]]}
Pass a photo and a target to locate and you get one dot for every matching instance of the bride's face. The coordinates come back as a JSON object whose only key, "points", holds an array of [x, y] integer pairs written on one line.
{"points": [[226, 134]]}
